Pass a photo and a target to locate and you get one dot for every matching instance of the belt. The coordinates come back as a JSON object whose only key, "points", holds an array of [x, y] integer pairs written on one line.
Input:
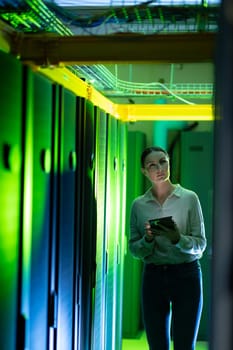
{"points": [[171, 267]]}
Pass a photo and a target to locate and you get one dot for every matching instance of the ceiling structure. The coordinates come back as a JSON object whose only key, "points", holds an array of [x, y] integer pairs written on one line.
{"points": [[130, 52]]}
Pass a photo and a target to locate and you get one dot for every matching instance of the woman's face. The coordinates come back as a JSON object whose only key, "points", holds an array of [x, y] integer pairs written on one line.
{"points": [[156, 167]]}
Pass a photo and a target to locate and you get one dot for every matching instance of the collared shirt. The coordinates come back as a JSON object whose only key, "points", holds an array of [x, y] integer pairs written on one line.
{"points": [[184, 207]]}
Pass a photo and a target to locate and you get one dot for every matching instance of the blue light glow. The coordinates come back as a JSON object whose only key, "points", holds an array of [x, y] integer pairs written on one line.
{"points": [[115, 3]]}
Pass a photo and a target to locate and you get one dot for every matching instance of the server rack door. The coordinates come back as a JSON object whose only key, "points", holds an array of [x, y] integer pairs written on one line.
{"points": [[112, 226], [121, 180], [37, 327], [54, 221], [25, 270], [65, 217], [10, 199], [78, 328], [196, 174], [100, 194], [87, 224], [132, 267]]}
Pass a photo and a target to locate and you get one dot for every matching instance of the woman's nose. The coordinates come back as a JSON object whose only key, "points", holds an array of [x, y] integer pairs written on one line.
{"points": [[158, 166]]}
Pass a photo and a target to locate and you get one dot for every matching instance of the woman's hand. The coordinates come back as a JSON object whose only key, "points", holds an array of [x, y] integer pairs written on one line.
{"points": [[149, 234], [172, 234]]}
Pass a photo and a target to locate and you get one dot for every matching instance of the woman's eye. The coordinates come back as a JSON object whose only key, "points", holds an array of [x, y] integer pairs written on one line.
{"points": [[153, 166], [163, 161]]}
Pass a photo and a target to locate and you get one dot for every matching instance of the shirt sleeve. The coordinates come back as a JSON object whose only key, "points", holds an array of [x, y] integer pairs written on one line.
{"points": [[194, 241], [138, 245]]}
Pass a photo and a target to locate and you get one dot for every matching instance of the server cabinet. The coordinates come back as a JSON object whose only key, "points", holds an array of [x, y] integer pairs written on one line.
{"points": [[41, 96], [197, 175], [87, 223], [112, 227], [121, 238], [10, 199], [65, 238], [132, 267], [78, 328], [101, 259]]}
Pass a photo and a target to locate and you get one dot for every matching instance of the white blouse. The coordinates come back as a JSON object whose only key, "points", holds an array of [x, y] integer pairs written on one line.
{"points": [[184, 207]]}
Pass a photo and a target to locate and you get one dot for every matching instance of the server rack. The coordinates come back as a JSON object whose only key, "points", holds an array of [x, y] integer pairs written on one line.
{"points": [[111, 233], [99, 316], [121, 241], [41, 216], [65, 259], [11, 165], [132, 324], [62, 224]]}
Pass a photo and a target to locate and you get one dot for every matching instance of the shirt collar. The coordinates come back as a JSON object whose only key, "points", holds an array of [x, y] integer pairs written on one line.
{"points": [[148, 196]]}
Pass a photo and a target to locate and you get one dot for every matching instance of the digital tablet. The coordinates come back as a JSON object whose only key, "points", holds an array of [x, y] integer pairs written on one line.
{"points": [[165, 221]]}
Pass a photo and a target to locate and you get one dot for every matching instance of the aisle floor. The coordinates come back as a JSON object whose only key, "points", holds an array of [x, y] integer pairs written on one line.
{"points": [[141, 344]]}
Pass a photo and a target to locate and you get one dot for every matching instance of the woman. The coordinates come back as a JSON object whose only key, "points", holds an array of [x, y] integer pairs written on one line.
{"points": [[172, 279]]}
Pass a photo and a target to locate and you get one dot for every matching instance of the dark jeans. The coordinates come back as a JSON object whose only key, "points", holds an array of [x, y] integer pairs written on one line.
{"points": [[172, 290]]}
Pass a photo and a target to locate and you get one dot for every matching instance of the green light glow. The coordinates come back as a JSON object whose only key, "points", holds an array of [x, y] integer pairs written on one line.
{"points": [[140, 343], [12, 157], [10, 216], [27, 211], [100, 187], [205, 3], [161, 128], [46, 160], [35, 16]]}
